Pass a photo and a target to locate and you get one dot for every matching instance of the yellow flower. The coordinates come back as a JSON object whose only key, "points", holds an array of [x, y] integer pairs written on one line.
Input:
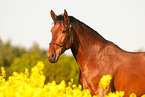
{"points": [[25, 85], [121, 93], [35, 69], [40, 65], [26, 71], [3, 72], [72, 80], [132, 95], [104, 81], [80, 87], [15, 74], [116, 94], [74, 86]]}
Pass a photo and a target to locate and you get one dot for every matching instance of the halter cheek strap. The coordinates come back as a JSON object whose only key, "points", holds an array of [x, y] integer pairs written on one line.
{"points": [[64, 39]]}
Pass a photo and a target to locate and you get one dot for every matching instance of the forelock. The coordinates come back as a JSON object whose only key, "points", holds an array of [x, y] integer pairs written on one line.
{"points": [[59, 18]]}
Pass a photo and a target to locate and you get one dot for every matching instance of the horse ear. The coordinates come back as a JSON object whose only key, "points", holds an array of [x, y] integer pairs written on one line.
{"points": [[65, 15], [53, 15]]}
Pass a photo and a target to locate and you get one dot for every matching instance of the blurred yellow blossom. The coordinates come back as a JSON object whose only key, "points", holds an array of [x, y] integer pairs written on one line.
{"points": [[132, 95], [40, 65], [25, 85], [116, 94], [104, 81], [143, 95], [3, 72]]}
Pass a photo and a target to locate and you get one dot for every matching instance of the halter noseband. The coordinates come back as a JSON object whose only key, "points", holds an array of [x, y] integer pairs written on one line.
{"points": [[64, 39]]}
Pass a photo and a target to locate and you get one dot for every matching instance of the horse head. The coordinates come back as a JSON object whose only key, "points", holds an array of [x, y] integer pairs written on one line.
{"points": [[61, 36]]}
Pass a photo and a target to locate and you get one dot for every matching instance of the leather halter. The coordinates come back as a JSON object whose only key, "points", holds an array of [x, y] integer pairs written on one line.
{"points": [[64, 39]]}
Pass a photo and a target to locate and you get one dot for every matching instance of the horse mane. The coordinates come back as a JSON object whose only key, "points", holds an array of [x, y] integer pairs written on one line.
{"points": [[77, 23], [60, 18]]}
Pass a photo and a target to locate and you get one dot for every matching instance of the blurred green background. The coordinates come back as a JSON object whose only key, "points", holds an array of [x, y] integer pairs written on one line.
{"points": [[17, 58]]}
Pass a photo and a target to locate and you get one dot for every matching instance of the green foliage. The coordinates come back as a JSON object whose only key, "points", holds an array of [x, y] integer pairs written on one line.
{"points": [[9, 52], [65, 69], [16, 58], [35, 49], [25, 61]]}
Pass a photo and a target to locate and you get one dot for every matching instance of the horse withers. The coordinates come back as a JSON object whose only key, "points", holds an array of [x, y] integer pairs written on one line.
{"points": [[97, 57]]}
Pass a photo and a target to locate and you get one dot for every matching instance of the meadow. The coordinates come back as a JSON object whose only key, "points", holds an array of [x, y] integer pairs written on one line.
{"points": [[28, 73], [31, 84]]}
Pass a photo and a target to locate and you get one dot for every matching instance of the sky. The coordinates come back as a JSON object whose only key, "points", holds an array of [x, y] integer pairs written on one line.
{"points": [[120, 21]]}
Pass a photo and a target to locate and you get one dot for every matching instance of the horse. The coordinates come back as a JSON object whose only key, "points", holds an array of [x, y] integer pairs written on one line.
{"points": [[96, 56]]}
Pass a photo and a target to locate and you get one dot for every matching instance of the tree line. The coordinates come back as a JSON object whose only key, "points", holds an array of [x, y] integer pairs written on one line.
{"points": [[17, 58]]}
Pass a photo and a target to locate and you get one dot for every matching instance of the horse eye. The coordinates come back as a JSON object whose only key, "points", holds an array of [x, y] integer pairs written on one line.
{"points": [[63, 31]]}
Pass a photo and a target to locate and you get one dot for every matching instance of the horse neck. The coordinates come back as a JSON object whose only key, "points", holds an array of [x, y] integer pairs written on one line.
{"points": [[86, 43]]}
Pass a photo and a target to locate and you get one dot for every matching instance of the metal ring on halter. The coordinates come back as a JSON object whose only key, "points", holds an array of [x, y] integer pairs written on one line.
{"points": [[64, 39]]}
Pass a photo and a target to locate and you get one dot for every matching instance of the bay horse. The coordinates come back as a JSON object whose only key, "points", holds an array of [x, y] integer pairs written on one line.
{"points": [[97, 56]]}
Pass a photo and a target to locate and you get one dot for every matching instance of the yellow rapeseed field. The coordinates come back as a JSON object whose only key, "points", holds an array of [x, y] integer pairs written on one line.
{"points": [[32, 85]]}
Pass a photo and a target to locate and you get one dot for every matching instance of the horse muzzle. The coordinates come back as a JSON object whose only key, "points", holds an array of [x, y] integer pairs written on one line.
{"points": [[53, 56]]}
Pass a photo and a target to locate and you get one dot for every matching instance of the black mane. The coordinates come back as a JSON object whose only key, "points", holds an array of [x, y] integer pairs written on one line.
{"points": [[73, 20]]}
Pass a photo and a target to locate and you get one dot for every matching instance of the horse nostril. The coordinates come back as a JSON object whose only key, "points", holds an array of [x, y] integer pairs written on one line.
{"points": [[52, 55]]}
